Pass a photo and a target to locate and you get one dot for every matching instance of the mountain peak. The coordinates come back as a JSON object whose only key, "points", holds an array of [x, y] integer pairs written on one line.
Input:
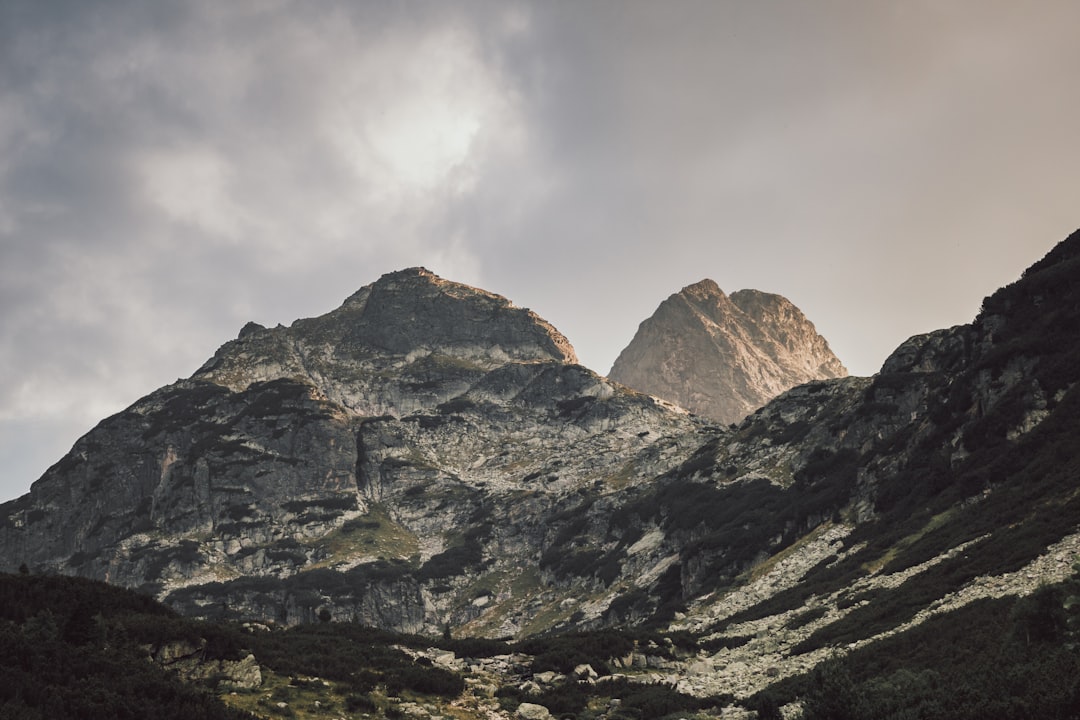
{"points": [[404, 317], [416, 310], [421, 280], [420, 277], [723, 356], [751, 298], [703, 289], [417, 271]]}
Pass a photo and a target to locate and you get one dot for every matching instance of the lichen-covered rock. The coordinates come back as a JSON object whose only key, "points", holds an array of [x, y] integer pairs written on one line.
{"points": [[189, 661], [532, 711]]}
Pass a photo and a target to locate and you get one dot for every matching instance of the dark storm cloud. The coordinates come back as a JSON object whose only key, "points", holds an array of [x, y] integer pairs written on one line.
{"points": [[171, 170]]}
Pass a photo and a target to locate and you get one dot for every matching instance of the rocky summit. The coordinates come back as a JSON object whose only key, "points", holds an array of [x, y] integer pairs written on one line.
{"points": [[724, 356], [429, 458]]}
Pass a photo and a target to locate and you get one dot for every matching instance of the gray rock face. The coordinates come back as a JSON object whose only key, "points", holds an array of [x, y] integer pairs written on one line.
{"points": [[189, 661], [411, 340], [724, 356]]}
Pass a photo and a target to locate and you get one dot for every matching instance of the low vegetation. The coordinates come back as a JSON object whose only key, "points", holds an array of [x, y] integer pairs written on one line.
{"points": [[72, 648], [1005, 658]]}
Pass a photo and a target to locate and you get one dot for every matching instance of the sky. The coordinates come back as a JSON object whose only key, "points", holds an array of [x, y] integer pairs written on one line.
{"points": [[172, 170]]}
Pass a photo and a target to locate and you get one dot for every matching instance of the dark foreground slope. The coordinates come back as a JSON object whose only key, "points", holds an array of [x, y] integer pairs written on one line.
{"points": [[76, 648], [72, 648], [1004, 658]]}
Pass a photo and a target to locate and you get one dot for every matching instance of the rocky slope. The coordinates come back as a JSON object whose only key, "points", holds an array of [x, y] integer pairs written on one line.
{"points": [[342, 468], [948, 478], [724, 356]]}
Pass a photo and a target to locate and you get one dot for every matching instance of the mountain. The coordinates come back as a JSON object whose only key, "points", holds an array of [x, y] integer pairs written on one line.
{"points": [[724, 356], [429, 458], [386, 462]]}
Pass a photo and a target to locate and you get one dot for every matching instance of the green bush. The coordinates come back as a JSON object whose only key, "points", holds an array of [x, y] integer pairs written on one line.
{"points": [[994, 658], [562, 653]]}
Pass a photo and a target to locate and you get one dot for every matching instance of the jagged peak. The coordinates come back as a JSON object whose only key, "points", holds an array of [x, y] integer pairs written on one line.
{"points": [[250, 328], [480, 316], [722, 356], [405, 314], [705, 288], [416, 271], [704, 300], [420, 277], [749, 296]]}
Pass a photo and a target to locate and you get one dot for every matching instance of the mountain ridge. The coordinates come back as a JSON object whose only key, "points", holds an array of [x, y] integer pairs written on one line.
{"points": [[524, 497]]}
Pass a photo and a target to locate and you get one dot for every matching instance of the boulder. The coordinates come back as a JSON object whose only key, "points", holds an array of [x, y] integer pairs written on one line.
{"points": [[532, 711]]}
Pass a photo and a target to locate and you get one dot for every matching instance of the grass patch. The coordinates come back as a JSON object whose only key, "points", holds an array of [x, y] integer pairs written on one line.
{"points": [[304, 699], [374, 535], [935, 522]]}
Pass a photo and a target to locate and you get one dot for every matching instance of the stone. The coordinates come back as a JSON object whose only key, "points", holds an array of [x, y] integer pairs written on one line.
{"points": [[188, 661], [446, 659], [700, 667], [242, 674], [532, 711], [585, 671]]}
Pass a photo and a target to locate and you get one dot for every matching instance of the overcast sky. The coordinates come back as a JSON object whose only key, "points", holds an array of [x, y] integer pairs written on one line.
{"points": [[171, 170]]}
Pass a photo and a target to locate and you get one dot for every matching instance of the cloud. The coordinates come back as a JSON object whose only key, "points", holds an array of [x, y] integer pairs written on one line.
{"points": [[168, 173], [860, 159]]}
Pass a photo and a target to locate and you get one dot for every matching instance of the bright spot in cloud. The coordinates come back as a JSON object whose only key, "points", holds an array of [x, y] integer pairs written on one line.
{"points": [[421, 136]]}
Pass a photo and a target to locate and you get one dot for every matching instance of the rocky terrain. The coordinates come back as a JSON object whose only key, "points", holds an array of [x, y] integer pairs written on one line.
{"points": [[724, 356], [429, 458]]}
